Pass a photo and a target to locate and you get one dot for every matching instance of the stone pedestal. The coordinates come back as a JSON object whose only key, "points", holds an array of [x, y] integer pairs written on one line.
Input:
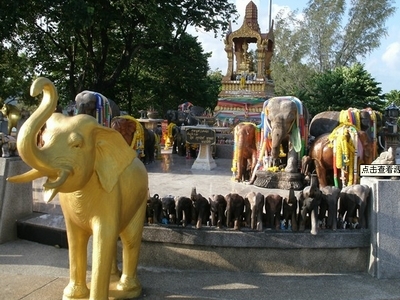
{"points": [[384, 224], [279, 180], [15, 199], [204, 160]]}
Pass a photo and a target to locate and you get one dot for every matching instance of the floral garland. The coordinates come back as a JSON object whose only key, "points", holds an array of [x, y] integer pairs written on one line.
{"points": [[138, 136], [352, 116], [344, 139]]}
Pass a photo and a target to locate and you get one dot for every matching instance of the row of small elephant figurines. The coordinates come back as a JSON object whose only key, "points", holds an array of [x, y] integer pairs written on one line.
{"points": [[328, 207]]}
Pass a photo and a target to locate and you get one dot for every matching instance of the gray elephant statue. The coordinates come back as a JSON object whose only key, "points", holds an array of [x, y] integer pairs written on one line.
{"points": [[285, 123], [273, 206], [234, 210], [290, 210], [8, 145], [102, 187], [185, 211], [256, 202], [154, 210], [98, 106], [353, 199], [217, 207]]}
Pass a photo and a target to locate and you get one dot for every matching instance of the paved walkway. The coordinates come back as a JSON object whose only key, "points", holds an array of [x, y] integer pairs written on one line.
{"points": [[32, 271]]}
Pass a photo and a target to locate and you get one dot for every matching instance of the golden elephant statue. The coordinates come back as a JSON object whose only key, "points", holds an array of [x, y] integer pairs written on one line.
{"points": [[13, 115], [103, 190]]}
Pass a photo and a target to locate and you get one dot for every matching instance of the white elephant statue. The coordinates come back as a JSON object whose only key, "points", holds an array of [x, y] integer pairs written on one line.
{"points": [[103, 190]]}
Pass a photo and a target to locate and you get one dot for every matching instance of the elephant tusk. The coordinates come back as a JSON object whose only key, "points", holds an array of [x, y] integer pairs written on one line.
{"points": [[51, 187], [26, 177], [58, 182]]}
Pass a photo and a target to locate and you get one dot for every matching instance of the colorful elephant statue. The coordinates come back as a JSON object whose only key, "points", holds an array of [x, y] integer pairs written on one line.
{"points": [[102, 187], [365, 119], [284, 122], [339, 154], [140, 138], [244, 150], [98, 106]]}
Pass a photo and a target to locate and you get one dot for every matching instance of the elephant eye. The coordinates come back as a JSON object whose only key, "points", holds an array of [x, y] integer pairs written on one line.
{"points": [[75, 140]]}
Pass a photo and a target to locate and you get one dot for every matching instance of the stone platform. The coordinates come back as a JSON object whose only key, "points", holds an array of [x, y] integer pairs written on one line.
{"points": [[279, 180]]}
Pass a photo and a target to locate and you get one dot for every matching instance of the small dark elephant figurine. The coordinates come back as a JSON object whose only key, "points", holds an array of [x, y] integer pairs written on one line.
{"points": [[273, 206], [310, 210], [351, 199], [290, 210], [234, 210], [169, 210], [154, 210], [184, 210], [217, 207], [256, 201], [202, 210]]}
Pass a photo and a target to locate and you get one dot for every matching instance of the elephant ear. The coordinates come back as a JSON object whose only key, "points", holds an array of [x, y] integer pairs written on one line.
{"points": [[113, 156]]}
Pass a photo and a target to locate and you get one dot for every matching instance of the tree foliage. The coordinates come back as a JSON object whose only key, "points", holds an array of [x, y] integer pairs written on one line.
{"points": [[342, 88], [101, 45], [327, 34]]}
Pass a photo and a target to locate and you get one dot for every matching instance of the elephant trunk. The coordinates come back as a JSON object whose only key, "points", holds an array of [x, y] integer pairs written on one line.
{"points": [[27, 136], [277, 136]]}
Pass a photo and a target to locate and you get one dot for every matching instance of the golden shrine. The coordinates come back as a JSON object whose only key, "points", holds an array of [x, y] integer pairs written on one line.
{"points": [[247, 83]]}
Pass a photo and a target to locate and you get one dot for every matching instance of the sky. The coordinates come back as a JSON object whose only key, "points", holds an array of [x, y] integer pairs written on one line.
{"points": [[383, 63]]}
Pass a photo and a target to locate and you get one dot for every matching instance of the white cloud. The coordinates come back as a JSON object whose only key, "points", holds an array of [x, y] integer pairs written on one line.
{"points": [[391, 56]]}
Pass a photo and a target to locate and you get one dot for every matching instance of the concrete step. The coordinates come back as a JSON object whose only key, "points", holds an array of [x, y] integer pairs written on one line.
{"points": [[43, 228]]}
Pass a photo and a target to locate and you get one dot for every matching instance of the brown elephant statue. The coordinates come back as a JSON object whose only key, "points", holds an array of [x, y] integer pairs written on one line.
{"points": [[245, 150], [324, 148], [365, 119], [273, 206]]}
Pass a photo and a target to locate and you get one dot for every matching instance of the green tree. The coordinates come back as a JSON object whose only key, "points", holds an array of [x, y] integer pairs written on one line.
{"points": [[342, 88], [393, 97], [87, 44], [327, 34]]}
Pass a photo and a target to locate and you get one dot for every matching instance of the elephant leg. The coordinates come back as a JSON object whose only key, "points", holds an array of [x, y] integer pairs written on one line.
{"points": [[294, 221], [104, 241], [131, 238], [362, 219], [321, 174], [77, 244]]}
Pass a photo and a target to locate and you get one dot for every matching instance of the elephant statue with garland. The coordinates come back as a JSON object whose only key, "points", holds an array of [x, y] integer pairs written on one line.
{"points": [[284, 123], [98, 106], [347, 140], [102, 187], [245, 151], [365, 119], [140, 138]]}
